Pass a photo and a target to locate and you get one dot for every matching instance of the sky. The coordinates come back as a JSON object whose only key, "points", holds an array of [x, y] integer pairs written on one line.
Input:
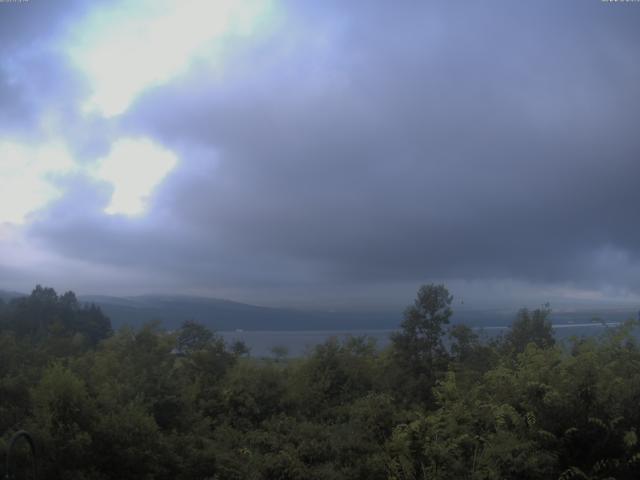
{"points": [[322, 154]]}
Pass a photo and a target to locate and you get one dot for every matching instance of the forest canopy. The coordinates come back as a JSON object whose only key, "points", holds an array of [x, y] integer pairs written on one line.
{"points": [[440, 402]]}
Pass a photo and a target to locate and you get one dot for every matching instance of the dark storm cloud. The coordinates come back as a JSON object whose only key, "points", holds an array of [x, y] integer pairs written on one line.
{"points": [[371, 143]]}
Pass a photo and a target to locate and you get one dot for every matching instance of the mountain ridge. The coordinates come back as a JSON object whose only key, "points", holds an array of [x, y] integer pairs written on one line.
{"points": [[228, 315]]}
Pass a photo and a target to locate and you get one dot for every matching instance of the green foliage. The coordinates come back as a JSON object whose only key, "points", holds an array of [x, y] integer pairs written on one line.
{"points": [[193, 337], [59, 322], [63, 414], [151, 404], [418, 348], [530, 327]]}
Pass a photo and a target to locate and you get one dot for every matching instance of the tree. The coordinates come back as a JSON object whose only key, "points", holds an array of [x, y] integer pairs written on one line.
{"points": [[192, 337], [464, 341], [279, 352], [530, 327], [418, 347], [44, 315], [91, 322], [470, 358], [63, 416], [69, 301]]}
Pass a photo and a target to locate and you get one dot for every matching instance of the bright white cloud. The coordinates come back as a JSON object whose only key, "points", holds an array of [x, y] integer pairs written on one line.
{"points": [[134, 167], [130, 46], [27, 177]]}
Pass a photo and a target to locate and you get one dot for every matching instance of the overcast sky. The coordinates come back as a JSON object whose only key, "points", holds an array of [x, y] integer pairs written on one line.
{"points": [[331, 154]]}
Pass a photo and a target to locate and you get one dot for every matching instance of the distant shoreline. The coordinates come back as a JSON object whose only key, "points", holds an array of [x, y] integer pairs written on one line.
{"points": [[300, 342]]}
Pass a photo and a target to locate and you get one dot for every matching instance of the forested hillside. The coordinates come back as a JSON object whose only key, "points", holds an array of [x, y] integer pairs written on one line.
{"points": [[149, 404]]}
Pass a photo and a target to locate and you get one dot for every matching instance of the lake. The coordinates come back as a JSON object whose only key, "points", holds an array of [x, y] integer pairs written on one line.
{"points": [[300, 342]]}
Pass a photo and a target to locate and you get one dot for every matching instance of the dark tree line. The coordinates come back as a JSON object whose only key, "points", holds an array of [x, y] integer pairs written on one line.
{"points": [[151, 404], [44, 315]]}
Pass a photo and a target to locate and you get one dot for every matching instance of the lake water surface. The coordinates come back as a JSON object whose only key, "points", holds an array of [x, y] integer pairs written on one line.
{"points": [[300, 342]]}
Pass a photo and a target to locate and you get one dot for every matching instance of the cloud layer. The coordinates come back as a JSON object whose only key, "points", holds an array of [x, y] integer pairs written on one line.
{"points": [[358, 147]]}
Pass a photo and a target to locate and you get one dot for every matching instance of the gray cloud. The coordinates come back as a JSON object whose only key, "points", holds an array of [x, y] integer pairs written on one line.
{"points": [[35, 75], [366, 144]]}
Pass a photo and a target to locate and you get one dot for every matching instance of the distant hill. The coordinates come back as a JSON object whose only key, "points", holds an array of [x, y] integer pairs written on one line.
{"points": [[219, 314], [226, 315]]}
